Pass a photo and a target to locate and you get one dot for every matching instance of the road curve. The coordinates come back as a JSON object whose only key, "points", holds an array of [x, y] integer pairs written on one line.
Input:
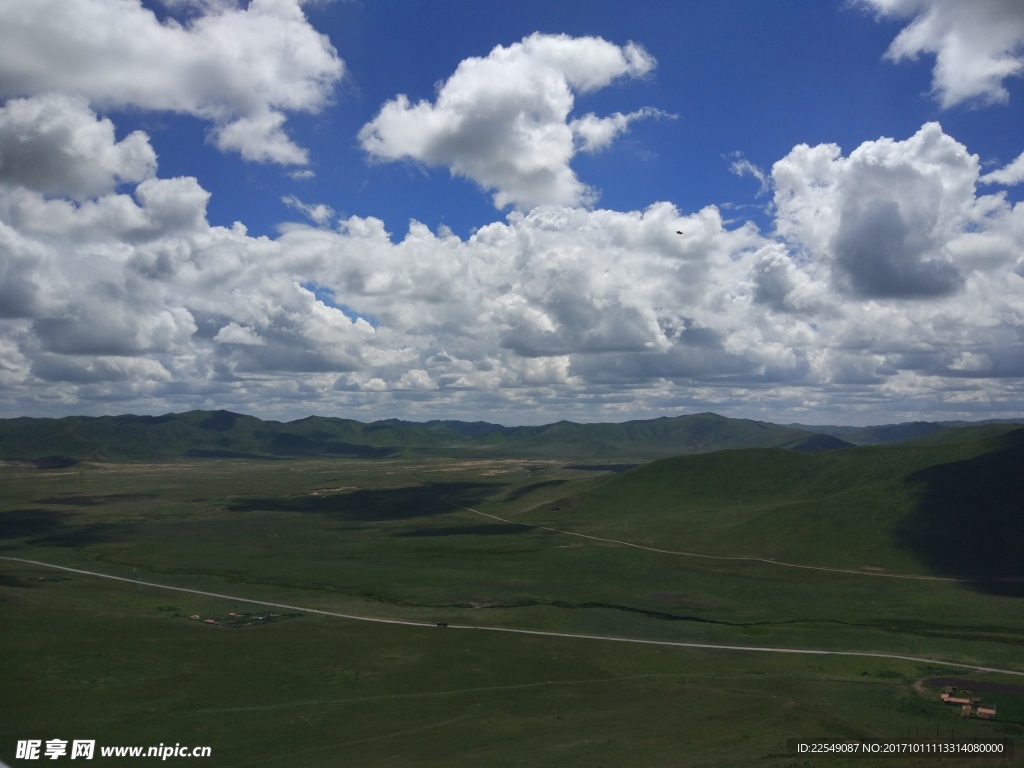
{"points": [[542, 633]]}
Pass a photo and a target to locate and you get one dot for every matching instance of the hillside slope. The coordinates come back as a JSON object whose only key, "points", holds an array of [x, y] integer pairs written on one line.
{"points": [[953, 510]]}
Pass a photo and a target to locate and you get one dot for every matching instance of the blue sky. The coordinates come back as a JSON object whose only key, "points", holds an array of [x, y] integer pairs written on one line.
{"points": [[496, 245], [742, 76]]}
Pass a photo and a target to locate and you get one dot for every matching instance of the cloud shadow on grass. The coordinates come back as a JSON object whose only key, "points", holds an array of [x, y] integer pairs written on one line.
{"points": [[10, 580], [55, 528], [21, 523], [371, 505], [969, 521], [73, 500], [481, 529], [519, 493]]}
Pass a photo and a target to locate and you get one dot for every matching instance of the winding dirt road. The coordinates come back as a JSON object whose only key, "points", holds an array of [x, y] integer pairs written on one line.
{"points": [[510, 630]]}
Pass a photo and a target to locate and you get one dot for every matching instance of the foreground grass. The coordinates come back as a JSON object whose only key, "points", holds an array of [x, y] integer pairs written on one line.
{"points": [[124, 664], [124, 667]]}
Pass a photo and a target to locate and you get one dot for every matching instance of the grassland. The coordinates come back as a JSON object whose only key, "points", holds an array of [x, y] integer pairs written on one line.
{"points": [[124, 663]]}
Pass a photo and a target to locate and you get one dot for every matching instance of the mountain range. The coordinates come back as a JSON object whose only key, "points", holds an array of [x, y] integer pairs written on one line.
{"points": [[223, 434]]}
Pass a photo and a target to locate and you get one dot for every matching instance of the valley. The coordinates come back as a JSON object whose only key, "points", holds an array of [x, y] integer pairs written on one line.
{"points": [[753, 595]]}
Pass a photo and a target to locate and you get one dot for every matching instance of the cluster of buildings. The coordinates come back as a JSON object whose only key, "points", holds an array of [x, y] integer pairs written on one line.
{"points": [[970, 706]]}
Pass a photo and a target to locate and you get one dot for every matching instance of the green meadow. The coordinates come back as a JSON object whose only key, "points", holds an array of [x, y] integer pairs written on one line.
{"points": [[391, 537]]}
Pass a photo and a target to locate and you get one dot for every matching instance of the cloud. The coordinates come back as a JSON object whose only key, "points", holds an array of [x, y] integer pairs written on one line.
{"points": [[977, 44], [888, 280], [886, 217], [101, 369], [241, 69], [1008, 175], [320, 213], [233, 333], [883, 255], [597, 133], [259, 137], [502, 121], [780, 283], [743, 167], [58, 146]]}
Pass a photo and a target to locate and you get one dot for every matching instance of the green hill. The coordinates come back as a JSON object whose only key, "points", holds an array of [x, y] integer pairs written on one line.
{"points": [[922, 432], [649, 438], [962, 434], [877, 435], [955, 510], [204, 434], [224, 434], [820, 442]]}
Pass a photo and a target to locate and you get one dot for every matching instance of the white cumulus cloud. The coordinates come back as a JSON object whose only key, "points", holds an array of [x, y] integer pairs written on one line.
{"points": [[597, 133], [977, 44], [503, 121], [888, 279], [233, 333], [886, 216], [242, 69], [1008, 175], [58, 146]]}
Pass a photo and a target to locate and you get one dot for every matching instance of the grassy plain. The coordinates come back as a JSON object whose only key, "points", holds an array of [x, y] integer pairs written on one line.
{"points": [[123, 663]]}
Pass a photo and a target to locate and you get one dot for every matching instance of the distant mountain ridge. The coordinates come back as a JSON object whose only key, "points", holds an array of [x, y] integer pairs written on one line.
{"points": [[897, 433], [224, 434]]}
